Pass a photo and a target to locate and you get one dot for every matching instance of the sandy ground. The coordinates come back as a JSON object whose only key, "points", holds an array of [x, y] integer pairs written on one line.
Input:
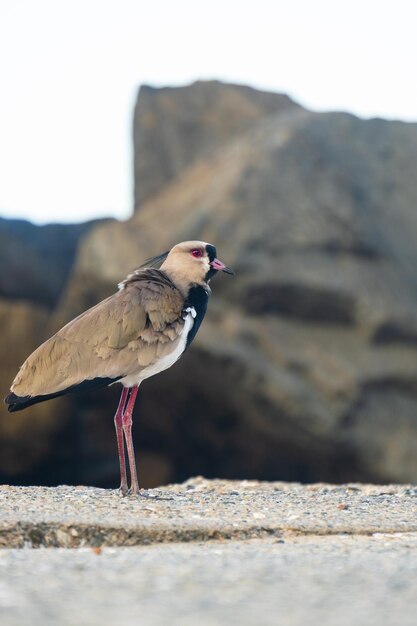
{"points": [[209, 553]]}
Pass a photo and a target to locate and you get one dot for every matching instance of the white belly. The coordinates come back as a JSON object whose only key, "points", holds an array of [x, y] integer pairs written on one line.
{"points": [[165, 362]]}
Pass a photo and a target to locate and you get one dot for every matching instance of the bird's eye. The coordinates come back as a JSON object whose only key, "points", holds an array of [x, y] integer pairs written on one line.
{"points": [[197, 253]]}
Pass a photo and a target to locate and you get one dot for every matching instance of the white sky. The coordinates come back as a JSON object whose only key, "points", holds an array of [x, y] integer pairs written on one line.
{"points": [[70, 69]]}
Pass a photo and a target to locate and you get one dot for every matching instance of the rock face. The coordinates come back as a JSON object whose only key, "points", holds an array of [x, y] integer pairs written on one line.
{"points": [[35, 262], [174, 127], [306, 365]]}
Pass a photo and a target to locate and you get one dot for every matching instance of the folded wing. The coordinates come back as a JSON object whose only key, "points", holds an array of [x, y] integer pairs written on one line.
{"points": [[119, 336]]}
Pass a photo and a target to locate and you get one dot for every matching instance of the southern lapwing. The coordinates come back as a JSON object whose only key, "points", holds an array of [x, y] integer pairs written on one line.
{"points": [[137, 332]]}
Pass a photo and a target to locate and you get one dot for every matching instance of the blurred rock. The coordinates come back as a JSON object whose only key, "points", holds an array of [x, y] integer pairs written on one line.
{"points": [[35, 260], [23, 441], [306, 365], [173, 127]]}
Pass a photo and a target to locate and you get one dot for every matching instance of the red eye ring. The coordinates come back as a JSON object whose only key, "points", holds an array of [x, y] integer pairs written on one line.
{"points": [[197, 253]]}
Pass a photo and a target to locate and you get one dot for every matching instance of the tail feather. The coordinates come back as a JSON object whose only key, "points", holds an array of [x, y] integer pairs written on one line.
{"points": [[17, 403]]}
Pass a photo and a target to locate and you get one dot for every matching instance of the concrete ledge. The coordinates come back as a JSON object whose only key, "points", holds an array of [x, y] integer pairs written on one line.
{"points": [[200, 510]]}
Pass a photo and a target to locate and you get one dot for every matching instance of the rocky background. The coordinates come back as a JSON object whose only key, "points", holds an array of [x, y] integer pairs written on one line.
{"points": [[306, 365]]}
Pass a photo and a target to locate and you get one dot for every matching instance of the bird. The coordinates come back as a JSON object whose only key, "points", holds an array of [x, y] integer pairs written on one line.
{"points": [[137, 332]]}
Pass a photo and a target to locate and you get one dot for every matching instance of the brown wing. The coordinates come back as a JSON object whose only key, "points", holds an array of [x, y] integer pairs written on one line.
{"points": [[115, 338]]}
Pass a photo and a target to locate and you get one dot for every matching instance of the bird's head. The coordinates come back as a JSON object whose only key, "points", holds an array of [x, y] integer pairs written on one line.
{"points": [[192, 262]]}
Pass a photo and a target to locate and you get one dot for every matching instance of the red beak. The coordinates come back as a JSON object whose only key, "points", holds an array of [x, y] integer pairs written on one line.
{"points": [[221, 267]]}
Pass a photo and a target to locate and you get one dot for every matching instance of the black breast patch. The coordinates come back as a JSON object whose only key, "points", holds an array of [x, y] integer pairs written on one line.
{"points": [[198, 299]]}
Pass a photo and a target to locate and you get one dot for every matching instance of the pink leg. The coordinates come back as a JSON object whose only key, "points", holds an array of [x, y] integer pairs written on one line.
{"points": [[127, 428], [118, 422]]}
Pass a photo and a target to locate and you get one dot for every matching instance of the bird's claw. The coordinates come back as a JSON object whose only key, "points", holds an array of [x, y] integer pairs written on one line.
{"points": [[140, 493]]}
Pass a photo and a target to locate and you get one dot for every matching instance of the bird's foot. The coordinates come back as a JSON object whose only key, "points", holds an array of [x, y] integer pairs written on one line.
{"points": [[144, 493], [123, 490]]}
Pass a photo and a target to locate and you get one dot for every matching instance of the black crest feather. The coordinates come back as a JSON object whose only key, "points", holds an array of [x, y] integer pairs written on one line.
{"points": [[155, 261]]}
